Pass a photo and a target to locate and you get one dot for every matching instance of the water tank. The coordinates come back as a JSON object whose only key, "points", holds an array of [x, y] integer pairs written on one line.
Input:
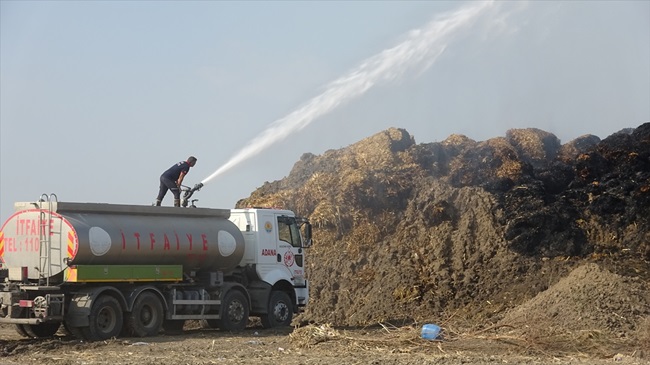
{"points": [[200, 239]]}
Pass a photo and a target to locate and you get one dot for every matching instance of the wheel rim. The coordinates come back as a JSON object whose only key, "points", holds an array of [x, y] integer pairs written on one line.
{"points": [[281, 311], [236, 311], [146, 315], [106, 319]]}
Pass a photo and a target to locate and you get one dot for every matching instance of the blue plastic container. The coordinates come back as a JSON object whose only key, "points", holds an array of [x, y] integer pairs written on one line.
{"points": [[430, 331]]}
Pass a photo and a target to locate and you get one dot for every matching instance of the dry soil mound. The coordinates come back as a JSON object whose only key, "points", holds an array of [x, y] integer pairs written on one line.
{"points": [[588, 299]]}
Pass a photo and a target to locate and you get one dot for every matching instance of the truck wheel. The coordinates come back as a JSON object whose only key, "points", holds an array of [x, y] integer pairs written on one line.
{"points": [[20, 328], [280, 311], [146, 317], [105, 319], [234, 312], [42, 330], [64, 330], [76, 332], [173, 326]]}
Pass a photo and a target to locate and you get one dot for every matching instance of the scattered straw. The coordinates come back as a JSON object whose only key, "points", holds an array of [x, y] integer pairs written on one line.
{"points": [[311, 335], [387, 336], [501, 337]]}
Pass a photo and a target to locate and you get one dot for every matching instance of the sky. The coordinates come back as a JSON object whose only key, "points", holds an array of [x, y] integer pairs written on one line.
{"points": [[98, 98]]}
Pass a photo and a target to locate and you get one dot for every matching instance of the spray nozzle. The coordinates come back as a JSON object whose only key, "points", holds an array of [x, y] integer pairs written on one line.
{"points": [[188, 193]]}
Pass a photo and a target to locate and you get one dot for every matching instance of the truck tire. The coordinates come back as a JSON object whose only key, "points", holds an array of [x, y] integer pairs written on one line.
{"points": [[146, 317], [280, 312], [41, 330], [105, 319], [234, 312], [20, 328], [76, 332], [65, 330]]}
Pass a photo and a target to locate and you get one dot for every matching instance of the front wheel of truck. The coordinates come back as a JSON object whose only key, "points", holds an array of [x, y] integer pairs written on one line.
{"points": [[234, 311], [280, 311]]}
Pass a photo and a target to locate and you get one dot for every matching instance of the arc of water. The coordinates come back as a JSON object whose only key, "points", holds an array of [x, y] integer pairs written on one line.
{"points": [[420, 48]]}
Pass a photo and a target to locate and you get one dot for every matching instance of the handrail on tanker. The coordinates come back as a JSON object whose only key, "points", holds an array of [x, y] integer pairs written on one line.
{"points": [[45, 236]]}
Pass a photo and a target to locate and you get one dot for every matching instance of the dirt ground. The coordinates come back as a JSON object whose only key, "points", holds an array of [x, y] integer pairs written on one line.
{"points": [[590, 316], [569, 323], [318, 345]]}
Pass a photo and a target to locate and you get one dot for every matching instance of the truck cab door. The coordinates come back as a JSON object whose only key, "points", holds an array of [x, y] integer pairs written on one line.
{"points": [[290, 251]]}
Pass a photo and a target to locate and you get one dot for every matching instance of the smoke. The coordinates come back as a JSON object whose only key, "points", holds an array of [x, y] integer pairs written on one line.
{"points": [[417, 52]]}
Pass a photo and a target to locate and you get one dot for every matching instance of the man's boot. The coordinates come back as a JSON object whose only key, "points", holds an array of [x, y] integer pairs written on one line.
{"points": [[157, 203], [177, 202]]}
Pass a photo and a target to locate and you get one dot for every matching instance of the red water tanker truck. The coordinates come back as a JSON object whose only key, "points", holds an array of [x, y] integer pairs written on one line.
{"points": [[105, 270]]}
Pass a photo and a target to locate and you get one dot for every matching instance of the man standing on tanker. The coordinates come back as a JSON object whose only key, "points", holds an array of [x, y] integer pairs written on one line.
{"points": [[172, 180]]}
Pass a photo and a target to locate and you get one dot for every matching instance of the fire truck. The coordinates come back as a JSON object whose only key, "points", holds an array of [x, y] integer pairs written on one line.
{"points": [[109, 270]]}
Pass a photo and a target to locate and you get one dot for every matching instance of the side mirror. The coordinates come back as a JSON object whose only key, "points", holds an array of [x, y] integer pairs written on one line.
{"points": [[307, 239]]}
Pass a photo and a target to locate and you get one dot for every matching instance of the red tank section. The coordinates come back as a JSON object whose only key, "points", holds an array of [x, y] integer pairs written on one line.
{"points": [[47, 241]]}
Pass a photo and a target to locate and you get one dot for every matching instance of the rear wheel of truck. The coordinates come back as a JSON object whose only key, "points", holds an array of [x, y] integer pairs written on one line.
{"points": [[105, 319], [41, 330], [280, 312], [234, 311], [20, 328], [146, 317]]}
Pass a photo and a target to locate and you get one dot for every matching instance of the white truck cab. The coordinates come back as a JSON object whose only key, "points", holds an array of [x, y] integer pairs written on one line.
{"points": [[275, 247]]}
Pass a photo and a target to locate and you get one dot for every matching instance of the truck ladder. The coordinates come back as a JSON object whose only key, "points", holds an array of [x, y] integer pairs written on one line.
{"points": [[46, 231]]}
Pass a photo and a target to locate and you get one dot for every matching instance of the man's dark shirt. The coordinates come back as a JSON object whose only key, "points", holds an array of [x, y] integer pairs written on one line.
{"points": [[174, 172]]}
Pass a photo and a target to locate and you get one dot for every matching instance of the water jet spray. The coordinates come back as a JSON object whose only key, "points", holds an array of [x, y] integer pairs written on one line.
{"points": [[420, 49]]}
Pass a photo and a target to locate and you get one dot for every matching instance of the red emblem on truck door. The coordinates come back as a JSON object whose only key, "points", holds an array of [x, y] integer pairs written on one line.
{"points": [[288, 258]]}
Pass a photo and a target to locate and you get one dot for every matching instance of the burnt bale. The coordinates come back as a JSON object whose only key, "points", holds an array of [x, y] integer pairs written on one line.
{"points": [[436, 157], [591, 166], [549, 232], [493, 164], [569, 151], [556, 176], [537, 223], [612, 190], [534, 146]]}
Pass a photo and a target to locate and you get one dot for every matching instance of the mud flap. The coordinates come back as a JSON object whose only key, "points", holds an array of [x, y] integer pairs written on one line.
{"points": [[79, 310], [81, 303]]}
